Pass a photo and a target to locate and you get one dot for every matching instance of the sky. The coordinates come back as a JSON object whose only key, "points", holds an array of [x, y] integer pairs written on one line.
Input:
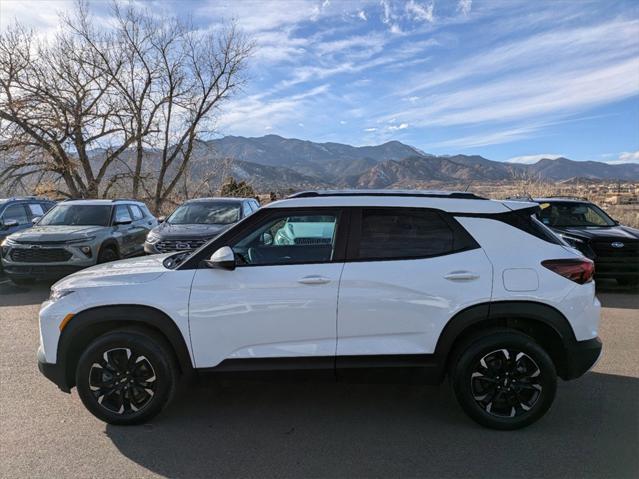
{"points": [[509, 80]]}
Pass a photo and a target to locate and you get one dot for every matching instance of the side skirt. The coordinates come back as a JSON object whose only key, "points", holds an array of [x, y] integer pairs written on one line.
{"points": [[389, 369]]}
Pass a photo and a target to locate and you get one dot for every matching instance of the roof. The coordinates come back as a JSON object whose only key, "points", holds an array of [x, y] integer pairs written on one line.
{"points": [[100, 202], [219, 198], [562, 199], [451, 201]]}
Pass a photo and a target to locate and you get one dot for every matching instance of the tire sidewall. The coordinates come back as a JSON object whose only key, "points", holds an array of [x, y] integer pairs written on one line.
{"points": [[156, 354], [505, 340], [105, 252]]}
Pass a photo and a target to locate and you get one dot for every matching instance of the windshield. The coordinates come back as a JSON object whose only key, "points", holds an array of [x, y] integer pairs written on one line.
{"points": [[79, 215], [573, 214], [205, 213]]}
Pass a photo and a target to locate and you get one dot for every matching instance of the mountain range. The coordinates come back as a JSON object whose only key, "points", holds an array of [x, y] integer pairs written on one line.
{"points": [[274, 162]]}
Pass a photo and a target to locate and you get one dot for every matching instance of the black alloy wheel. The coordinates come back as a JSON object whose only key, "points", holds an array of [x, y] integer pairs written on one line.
{"points": [[126, 376], [504, 379]]}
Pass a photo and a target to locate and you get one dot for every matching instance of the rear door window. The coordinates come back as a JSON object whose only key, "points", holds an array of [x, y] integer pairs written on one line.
{"points": [[122, 214], [36, 209], [136, 212], [405, 233]]}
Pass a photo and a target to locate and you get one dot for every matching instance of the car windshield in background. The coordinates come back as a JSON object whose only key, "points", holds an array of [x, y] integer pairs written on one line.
{"points": [[78, 215], [573, 214], [205, 213]]}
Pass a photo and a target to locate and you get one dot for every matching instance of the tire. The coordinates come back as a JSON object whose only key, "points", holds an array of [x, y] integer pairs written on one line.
{"points": [[107, 254], [628, 281], [482, 377], [126, 377]]}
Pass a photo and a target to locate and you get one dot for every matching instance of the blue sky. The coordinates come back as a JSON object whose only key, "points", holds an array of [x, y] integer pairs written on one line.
{"points": [[504, 79]]}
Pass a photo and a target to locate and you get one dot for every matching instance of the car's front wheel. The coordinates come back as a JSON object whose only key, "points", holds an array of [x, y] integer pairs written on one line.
{"points": [[126, 377], [504, 380]]}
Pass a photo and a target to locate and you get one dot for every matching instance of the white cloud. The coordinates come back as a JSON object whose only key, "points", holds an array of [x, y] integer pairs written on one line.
{"points": [[626, 157], [370, 129], [464, 6], [342, 122], [421, 12], [401, 126], [362, 15], [531, 159]]}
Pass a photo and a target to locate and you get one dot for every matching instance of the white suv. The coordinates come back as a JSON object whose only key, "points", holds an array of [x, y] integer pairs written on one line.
{"points": [[360, 285]]}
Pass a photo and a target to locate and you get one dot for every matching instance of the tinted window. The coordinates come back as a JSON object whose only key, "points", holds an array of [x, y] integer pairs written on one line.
{"points": [[289, 240], [81, 215], [17, 213], [246, 209], [403, 234], [136, 212], [122, 214], [36, 209]]}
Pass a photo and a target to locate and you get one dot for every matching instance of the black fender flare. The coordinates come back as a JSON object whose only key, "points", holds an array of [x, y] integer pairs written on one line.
{"points": [[107, 243], [503, 313], [90, 323]]}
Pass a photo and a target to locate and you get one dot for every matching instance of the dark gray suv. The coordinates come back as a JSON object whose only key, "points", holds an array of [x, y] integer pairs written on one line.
{"points": [[19, 213], [76, 234], [197, 221]]}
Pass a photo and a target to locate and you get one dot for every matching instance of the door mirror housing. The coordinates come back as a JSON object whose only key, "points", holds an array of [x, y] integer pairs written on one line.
{"points": [[9, 223], [223, 258], [35, 220]]}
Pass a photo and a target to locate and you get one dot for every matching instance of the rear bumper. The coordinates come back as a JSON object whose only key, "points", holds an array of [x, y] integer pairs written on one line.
{"points": [[53, 372], [581, 358]]}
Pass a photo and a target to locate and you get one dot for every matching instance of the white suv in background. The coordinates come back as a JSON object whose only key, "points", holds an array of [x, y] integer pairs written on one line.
{"points": [[360, 285]]}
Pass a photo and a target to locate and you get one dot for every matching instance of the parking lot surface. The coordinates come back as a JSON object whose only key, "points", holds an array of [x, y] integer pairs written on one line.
{"points": [[251, 429]]}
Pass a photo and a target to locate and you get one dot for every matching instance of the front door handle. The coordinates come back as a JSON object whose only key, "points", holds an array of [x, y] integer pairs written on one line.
{"points": [[461, 276], [314, 279]]}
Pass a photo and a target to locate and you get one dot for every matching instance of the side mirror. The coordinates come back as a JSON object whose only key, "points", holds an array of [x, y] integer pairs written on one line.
{"points": [[122, 222], [35, 220], [9, 223], [223, 258], [161, 219]]}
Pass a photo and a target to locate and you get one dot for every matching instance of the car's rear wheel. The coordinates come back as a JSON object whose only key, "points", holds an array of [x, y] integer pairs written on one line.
{"points": [[126, 377], [504, 380], [107, 254]]}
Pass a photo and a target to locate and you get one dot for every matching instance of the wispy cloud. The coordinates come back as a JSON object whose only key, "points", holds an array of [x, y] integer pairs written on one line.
{"points": [[625, 157]]}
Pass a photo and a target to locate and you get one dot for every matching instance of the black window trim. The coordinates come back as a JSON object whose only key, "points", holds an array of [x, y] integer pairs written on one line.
{"points": [[264, 215], [457, 229]]}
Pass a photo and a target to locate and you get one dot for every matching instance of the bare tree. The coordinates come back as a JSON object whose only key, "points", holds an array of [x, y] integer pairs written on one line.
{"points": [[112, 105]]}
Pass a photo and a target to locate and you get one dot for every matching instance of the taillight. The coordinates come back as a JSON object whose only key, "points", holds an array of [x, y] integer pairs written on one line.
{"points": [[578, 270]]}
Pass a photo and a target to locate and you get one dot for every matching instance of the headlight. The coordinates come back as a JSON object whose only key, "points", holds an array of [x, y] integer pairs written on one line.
{"points": [[57, 294], [80, 240], [8, 242], [152, 238], [571, 240]]}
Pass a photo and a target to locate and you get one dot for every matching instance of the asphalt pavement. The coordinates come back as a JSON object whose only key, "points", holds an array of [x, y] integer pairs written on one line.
{"points": [[253, 429]]}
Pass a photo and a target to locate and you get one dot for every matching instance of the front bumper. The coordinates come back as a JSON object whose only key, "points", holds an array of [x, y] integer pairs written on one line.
{"points": [[53, 372], [39, 271], [582, 357]]}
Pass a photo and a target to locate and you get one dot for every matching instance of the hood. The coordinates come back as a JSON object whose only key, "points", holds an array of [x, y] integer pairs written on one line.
{"points": [[39, 234], [619, 233], [127, 271], [170, 231]]}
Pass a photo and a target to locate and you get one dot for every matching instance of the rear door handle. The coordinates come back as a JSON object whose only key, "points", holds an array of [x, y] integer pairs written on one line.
{"points": [[461, 276], [314, 279]]}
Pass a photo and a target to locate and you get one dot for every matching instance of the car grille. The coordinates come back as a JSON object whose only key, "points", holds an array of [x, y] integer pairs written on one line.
{"points": [[166, 246], [40, 255], [610, 260]]}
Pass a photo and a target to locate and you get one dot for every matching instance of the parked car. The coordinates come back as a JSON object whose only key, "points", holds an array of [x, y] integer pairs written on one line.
{"points": [[197, 221], [361, 286], [20, 213], [74, 235], [585, 226]]}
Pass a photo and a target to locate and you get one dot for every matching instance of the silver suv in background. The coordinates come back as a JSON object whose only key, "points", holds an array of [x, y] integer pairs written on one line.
{"points": [[76, 234]]}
